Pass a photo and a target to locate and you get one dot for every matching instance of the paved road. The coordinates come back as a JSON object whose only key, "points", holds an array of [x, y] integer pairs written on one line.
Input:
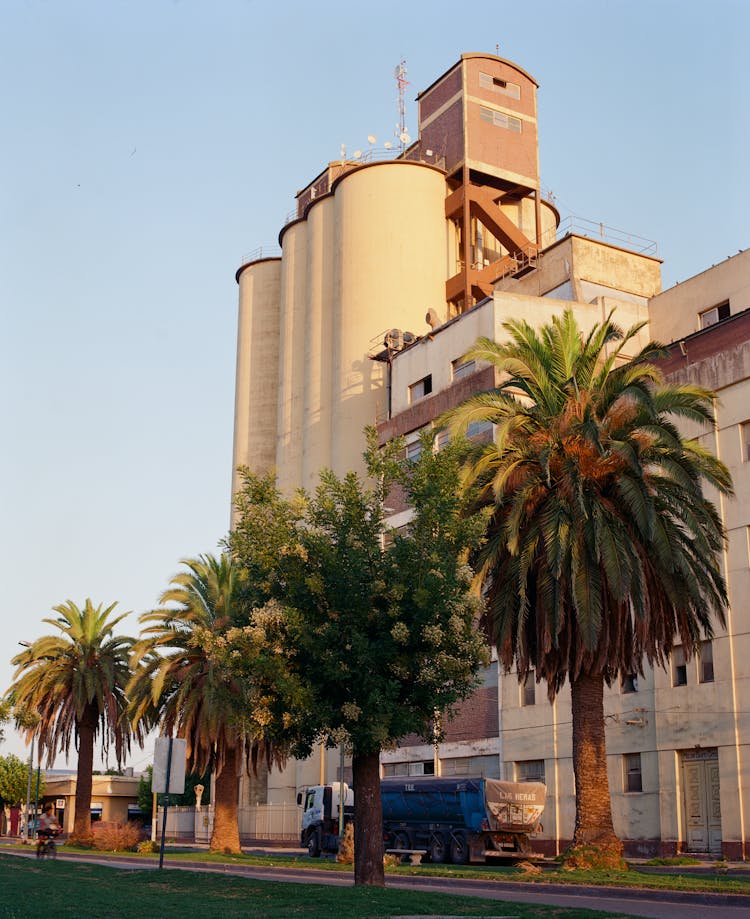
{"points": [[639, 903]]}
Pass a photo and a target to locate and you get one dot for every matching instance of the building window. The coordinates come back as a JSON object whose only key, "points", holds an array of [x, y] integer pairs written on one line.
{"points": [[506, 88], [679, 667], [528, 689], [460, 765], [421, 388], [745, 435], [500, 119], [479, 429], [414, 450], [420, 768], [629, 683], [530, 770], [632, 770], [442, 440], [706, 662], [462, 368], [715, 314]]}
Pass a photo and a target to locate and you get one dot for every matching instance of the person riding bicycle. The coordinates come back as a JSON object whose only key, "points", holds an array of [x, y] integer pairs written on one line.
{"points": [[48, 827]]}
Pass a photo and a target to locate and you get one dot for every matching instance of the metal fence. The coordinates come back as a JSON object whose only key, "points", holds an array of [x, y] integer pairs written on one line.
{"points": [[273, 822]]}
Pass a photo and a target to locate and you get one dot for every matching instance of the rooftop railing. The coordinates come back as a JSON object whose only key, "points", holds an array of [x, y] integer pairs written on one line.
{"points": [[580, 226]]}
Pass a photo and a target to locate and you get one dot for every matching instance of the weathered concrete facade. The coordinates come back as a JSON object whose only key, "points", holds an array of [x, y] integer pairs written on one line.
{"points": [[677, 740]]}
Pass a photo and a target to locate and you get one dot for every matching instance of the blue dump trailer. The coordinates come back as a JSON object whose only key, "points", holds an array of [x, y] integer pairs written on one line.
{"points": [[461, 819], [451, 819]]}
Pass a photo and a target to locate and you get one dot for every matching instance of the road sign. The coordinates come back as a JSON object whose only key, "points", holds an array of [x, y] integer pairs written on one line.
{"points": [[177, 766]]}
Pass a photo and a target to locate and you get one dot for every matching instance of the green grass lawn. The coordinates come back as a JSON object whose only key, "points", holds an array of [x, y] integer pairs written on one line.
{"points": [[53, 889], [653, 879]]}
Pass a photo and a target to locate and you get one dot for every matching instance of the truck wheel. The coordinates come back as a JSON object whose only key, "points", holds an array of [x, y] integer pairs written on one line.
{"points": [[437, 849], [459, 848], [313, 845]]}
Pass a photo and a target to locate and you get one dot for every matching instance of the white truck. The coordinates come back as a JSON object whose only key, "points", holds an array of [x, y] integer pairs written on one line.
{"points": [[320, 817]]}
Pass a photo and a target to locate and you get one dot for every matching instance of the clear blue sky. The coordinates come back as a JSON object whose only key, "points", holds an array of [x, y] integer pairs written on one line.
{"points": [[147, 145]]}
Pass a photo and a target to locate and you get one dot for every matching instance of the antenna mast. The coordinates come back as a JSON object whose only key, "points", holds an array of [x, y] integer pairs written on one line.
{"points": [[401, 130]]}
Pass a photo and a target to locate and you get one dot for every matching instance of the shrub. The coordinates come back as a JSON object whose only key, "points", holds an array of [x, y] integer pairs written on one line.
{"points": [[673, 860], [148, 847], [117, 837], [85, 841], [346, 846]]}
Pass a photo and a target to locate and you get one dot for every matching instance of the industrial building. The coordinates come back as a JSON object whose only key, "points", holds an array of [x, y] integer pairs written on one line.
{"points": [[389, 270]]}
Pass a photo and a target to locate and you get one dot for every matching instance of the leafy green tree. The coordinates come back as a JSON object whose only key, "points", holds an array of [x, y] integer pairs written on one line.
{"points": [[14, 774], [381, 635], [177, 685], [75, 682], [602, 549]]}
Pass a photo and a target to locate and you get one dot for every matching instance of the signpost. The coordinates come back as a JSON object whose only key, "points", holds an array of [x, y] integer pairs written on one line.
{"points": [[168, 777]]}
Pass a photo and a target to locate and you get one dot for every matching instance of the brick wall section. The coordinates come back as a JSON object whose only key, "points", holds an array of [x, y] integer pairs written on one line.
{"points": [[427, 410], [721, 337], [475, 718]]}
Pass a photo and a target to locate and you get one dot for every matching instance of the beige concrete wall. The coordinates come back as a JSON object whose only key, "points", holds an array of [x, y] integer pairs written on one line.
{"points": [[256, 386], [675, 313], [576, 259]]}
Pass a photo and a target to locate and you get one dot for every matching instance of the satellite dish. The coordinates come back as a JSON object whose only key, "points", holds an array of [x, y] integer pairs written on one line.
{"points": [[371, 138], [404, 138], [356, 155], [387, 145], [428, 153]]}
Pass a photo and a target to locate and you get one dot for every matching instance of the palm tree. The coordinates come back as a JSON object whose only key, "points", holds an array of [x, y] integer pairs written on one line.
{"points": [[76, 682], [180, 684], [601, 548]]}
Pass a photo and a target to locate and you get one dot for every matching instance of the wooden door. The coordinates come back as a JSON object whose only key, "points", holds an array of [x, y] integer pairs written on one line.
{"points": [[700, 776]]}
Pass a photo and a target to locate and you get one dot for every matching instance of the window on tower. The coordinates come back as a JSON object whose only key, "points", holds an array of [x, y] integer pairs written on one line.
{"points": [[506, 88], [500, 119]]}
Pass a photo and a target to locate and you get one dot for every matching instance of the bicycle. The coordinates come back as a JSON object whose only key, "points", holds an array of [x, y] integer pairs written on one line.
{"points": [[46, 846]]}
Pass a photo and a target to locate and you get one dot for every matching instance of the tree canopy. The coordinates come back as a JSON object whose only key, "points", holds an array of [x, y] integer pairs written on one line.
{"points": [[602, 548], [14, 775], [179, 685], [75, 682], [379, 627]]}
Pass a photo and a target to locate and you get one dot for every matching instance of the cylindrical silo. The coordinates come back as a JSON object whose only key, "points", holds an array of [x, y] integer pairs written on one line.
{"points": [[255, 408], [316, 435], [291, 357], [390, 268]]}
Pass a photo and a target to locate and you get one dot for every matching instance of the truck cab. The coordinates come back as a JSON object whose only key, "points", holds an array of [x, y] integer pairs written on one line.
{"points": [[320, 816]]}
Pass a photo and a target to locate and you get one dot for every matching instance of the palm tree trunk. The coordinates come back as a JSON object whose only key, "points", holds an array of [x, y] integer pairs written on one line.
{"points": [[368, 821], [84, 780], [226, 834], [593, 805]]}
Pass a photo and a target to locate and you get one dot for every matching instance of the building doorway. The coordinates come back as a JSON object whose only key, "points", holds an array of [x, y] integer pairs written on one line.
{"points": [[701, 800]]}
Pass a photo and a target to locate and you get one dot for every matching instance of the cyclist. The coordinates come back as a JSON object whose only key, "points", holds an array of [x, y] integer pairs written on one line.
{"points": [[48, 828]]}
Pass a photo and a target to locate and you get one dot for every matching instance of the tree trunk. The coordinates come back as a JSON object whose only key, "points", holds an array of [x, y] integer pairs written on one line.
{"points": [[368, 821], [593, 805], [226, 834], [84, 780]]}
